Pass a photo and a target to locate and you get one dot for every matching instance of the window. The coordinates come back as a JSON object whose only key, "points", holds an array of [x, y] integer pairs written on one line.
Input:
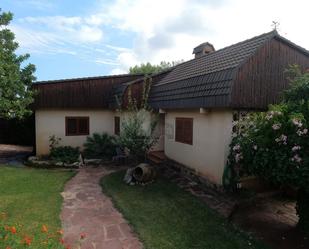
{"points": [[76, 126], [117, 125], [184, 130]]}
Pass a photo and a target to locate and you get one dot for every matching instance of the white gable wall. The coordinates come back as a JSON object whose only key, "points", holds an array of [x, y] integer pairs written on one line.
{"points": [[52, 122], [211, 138]]}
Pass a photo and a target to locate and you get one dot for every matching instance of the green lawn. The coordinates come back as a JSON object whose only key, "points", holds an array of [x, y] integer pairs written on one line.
{"points": [[31, 197], [166, 217]]}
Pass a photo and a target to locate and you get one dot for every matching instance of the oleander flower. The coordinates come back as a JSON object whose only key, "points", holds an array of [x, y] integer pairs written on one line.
{"points": [[269, 116], [297, 122], [296, 158], [296, 148], [302, 132], [238, 157], [276, 126], [236, 147], [283, 138]]}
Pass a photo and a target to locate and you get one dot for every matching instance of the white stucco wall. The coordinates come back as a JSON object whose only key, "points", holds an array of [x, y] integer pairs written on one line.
{"points": [[211, 137], [207, 155], [147, 119], [52, 122]]}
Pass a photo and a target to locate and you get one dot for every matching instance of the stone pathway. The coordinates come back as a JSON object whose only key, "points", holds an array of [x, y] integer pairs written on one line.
{"points": [[223, 203], [87, 210], [270, 219]]}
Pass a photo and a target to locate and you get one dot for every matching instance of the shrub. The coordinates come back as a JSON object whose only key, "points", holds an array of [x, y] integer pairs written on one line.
{"points": [[100, 146], [274, 145], [137, 135], [66, 154], [54, 141]]}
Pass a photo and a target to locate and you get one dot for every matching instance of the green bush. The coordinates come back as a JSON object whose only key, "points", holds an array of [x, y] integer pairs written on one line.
{"points": [[66, 154], [135, 137], [100, 146], [274, 145]]}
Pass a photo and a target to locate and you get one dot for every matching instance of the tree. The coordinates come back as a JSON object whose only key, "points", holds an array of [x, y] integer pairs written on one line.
{"points": [[137, 128], [15, 79], [274, 145], [148, 68]]}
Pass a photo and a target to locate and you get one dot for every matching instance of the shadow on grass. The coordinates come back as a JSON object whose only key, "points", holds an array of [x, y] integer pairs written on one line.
{"points": [[165, 217]]}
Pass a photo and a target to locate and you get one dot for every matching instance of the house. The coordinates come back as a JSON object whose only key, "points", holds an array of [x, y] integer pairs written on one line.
{"points": [[197, 100]]}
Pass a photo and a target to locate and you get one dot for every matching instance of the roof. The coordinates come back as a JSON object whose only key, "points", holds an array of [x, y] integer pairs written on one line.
{"points": [[90, 92], [118, 91], [211, 80], [85, 78], [207, 81]]}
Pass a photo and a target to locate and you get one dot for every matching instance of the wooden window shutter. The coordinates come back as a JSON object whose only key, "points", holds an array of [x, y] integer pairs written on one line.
{"points": [[76, 126], [117, 125], [188, 131], [184, 130]]}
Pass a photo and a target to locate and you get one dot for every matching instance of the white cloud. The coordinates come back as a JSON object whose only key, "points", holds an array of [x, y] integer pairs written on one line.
{"points": [[71, 28], [116, 71], [165, 30], [127, 59], [169, 30], [90, 34], [162, 30], [107, 62]]}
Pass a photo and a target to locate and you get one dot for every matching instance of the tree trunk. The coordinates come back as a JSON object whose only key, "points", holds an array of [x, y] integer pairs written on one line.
{"points": [[302, 209]]}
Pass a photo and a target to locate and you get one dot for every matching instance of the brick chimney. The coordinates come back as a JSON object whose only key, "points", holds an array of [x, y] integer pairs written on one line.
{"points": [[202, 49]]}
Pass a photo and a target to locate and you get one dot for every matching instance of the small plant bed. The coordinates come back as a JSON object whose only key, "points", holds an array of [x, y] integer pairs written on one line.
{"points": [[99, 149], [47, 163], [167, 217], [30, 204]]}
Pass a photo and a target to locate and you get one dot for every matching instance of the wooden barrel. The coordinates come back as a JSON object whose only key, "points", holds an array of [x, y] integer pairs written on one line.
{"points": [[144, 173]]}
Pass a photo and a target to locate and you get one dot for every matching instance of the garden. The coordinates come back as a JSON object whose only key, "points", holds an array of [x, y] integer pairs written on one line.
{"points": [[274, 145], [165, 216], [271, 145], [30, 204]]}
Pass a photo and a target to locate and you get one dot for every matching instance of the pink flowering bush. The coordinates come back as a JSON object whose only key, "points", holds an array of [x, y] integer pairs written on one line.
{"points": [[274, 145]]}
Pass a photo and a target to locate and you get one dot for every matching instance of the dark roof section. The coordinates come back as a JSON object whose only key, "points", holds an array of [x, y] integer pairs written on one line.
{"points": [[248, 74], [228, 57], [91, 92], [207, 81], [200, 91], [119, 91]]}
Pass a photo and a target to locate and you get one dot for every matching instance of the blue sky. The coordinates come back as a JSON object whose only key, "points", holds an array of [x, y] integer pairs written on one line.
{"points": [[88, 38]]}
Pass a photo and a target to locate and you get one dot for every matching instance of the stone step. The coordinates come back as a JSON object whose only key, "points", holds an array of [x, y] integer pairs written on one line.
{"points": [[158, 154], [154, 159]]}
